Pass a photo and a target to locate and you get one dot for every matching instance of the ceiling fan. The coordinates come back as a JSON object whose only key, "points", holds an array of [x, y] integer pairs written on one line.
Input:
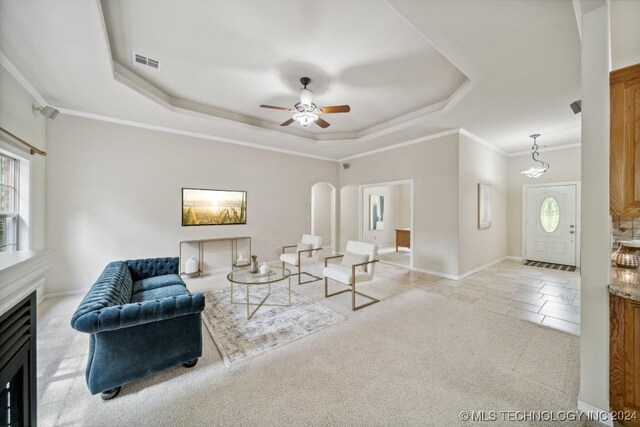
{"points": [[306, 112]]}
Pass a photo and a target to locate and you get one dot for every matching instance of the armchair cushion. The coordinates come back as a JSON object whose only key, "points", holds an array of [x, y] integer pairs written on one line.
{"points": [[151, 283], [343, 274], [292, 259], [350, 259], [304, 247]]}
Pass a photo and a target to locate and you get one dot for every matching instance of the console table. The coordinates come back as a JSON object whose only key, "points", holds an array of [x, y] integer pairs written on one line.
{"points": [[403, 238], [201, 242]]}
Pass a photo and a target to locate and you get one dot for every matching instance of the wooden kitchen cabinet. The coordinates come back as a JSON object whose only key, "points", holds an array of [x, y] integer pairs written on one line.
{"points": [[624, 169], [624, 359]]}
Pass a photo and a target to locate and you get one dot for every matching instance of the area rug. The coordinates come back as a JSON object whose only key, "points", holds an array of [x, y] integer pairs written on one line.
{"points": [[238, 339]]}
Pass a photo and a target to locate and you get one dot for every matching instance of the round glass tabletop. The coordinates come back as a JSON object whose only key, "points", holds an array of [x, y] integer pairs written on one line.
{"points": [[245, 278]]}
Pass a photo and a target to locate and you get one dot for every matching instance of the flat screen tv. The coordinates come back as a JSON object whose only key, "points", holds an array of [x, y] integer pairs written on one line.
{"points": [[213, 207]]}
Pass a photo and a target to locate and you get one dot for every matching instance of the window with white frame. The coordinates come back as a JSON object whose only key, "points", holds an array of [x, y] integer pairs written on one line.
{"points": [[9, 213]]}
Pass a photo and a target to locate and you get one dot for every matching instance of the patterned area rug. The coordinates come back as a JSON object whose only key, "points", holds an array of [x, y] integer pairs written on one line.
{"points": [[238, 338], [550, 265]]}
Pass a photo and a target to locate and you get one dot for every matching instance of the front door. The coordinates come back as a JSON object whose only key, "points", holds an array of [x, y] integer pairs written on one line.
{"points": [[551, 224]]}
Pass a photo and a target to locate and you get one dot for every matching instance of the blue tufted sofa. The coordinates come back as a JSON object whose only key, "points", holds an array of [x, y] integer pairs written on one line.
{"points": [[142, 319]]}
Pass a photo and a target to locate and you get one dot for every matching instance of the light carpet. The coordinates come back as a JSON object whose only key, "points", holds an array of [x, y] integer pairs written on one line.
{"points": [[238, 339], [415, 358]]}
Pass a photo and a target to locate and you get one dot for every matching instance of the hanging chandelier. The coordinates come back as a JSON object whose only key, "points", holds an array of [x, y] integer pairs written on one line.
{"points": [[536, 171]]}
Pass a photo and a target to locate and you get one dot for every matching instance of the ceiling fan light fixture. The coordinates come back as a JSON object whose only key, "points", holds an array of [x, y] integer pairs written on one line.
{"points": [[305, 118], [535, 171], [306, 96]]}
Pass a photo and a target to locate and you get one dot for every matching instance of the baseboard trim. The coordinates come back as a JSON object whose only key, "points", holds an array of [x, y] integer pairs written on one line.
{"points": [[482, 267], [587, 408], [461, 276], [513, 258], [63, 294], [435, 273]]}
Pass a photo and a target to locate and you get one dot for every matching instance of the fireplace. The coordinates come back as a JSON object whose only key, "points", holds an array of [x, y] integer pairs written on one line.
{"points": [[18, 364]]}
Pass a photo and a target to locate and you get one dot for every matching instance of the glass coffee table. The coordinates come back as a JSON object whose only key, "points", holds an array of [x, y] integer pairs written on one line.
{"points": [[242, 277]]}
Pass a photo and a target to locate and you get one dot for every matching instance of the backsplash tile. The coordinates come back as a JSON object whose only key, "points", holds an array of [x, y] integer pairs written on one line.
{"points": [[624, 228]]}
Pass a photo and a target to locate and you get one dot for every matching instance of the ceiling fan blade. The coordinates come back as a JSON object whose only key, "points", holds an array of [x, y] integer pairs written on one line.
{"points": [[322, 123], [336, 109], [287, 123], [273, 107]]}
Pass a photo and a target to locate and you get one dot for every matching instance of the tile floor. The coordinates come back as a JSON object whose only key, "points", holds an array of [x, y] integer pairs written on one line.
{"points": [[539, 295]]}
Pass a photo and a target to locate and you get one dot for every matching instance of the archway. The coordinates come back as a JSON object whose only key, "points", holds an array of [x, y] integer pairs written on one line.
{"points": [[323, 213]]}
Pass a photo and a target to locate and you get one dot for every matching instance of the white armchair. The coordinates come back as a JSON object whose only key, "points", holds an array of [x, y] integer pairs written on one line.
{"points": [[360, 259], [310, 254]]}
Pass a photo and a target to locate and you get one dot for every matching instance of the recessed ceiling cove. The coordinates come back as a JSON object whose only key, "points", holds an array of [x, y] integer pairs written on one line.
{"points": [[224, 58]]}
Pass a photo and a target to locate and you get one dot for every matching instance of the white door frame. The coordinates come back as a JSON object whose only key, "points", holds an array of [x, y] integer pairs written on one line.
{"points": [[411, 208], [334, 234], [578, 216]]}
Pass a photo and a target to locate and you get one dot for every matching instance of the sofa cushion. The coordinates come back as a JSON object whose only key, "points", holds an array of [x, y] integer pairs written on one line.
{"points": [[159, 293], [151, 283]]}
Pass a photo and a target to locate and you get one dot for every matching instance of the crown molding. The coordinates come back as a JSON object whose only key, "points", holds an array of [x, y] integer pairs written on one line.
{"points": [[21, 79], [544, 150], [175, 131], [482, 142], [402, 144]]}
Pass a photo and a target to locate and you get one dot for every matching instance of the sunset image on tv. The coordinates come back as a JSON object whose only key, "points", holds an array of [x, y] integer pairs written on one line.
{"points": [[213, 207]]}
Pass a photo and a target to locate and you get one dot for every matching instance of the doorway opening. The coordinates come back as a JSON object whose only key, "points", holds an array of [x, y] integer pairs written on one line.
{"points": [[551, 229], [323, 213], [386, 219]]}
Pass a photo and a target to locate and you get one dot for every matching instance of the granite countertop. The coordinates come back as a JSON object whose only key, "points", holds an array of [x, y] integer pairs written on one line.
{"points": [[625, 282]]}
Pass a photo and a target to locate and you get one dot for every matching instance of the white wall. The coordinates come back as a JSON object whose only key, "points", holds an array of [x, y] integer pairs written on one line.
{"points": [[404, 206], [564, 167], [480, 164], [114, 192], [433, 166], [322, 205], [446, 172], [596, 222], [625, 33], [17, 116]]}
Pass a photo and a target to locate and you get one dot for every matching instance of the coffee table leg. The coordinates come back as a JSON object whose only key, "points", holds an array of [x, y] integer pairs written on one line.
{"points": [[289, 289]]}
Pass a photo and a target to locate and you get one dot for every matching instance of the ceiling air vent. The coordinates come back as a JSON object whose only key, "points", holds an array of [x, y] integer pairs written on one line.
{"points": [[144, 62]]}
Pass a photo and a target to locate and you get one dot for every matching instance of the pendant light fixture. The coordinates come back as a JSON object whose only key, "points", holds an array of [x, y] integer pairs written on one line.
{"points": [[536, 171]]}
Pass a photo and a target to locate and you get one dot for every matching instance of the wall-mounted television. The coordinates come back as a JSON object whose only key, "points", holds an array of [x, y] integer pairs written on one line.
{"points": [[213, 207]]}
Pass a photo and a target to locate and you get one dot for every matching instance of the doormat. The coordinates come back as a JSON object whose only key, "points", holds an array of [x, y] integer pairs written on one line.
{"points": [[549, 265]]}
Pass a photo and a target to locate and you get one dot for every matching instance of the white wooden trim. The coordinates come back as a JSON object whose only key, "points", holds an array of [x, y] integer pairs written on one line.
{"points": [[21, 273], [587, 408], [578, 214], [58, 294], [546, 149], [401, 144], [477, 269], [411, 209]]}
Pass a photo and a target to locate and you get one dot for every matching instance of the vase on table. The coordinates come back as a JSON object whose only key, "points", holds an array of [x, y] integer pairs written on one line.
{"points": [[253, 268]]}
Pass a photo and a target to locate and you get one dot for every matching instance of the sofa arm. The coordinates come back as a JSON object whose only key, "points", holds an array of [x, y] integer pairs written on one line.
{"points": [[133, 314]]}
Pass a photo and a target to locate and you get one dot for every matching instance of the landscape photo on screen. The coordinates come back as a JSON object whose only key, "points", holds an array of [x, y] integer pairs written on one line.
{"points": [[213, 207]]}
